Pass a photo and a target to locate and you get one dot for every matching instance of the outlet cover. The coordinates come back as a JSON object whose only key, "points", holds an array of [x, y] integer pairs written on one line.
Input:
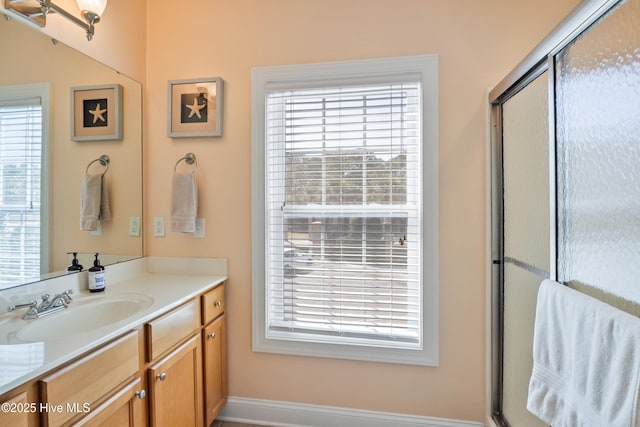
{"points": [[158, 226], [134, 226]]}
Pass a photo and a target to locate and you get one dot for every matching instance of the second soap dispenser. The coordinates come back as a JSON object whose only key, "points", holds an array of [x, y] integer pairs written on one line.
{"points": [[75, 266], [97, 281]]}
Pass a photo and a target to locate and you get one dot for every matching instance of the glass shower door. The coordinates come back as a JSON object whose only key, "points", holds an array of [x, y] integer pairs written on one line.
{"points": [[598, 138], [526, 237]]}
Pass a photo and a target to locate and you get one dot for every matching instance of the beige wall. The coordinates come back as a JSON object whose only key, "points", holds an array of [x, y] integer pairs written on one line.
{"points": [[478, 43]]}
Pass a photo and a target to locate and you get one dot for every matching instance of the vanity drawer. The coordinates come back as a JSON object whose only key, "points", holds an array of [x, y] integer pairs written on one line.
{"points": [[168, 330], [89, 379], [212, 304]]}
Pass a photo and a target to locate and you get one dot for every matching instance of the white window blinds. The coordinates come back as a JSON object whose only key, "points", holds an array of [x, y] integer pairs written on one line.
{"points": [[20, 190], [343, 212]]}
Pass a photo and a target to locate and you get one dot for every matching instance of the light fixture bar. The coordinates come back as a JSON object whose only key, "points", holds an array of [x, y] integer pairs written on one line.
{"points": [[37, 10]]}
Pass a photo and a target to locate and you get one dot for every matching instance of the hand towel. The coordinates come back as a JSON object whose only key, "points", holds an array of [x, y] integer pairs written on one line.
{"points": [[90, 200], [94, 202], [586, 361], [184, 203]]}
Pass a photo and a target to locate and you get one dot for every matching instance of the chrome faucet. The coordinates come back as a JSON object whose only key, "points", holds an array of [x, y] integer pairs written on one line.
{"points": [[47, 306]]}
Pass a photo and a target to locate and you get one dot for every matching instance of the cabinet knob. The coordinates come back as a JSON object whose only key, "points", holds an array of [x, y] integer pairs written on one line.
{"points": [[141, 394], [218, 303], [211, 335], [162, 376]]}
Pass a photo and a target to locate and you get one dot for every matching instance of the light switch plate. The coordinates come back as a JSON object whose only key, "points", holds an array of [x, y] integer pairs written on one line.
{"points": [[199, 233], [158, 226], [134, 226]]}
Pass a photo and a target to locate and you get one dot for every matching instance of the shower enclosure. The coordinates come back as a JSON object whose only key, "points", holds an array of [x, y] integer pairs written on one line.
{"points": [[565, 171]]}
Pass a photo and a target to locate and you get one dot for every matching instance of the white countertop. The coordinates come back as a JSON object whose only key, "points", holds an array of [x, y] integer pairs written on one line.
{"points": [[168, 282]]}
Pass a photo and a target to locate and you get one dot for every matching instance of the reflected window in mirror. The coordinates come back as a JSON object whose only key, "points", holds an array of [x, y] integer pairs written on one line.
{"points": [[23, 197]]}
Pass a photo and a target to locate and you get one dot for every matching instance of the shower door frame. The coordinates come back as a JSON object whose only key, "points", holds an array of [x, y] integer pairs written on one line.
{"points": [[541, 59]]}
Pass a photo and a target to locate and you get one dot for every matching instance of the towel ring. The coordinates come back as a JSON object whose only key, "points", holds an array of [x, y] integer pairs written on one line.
{"points": [[104, 161], [189, 159]]}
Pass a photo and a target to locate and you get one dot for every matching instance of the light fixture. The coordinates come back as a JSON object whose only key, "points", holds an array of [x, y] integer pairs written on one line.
{"points": [[37, 10]]}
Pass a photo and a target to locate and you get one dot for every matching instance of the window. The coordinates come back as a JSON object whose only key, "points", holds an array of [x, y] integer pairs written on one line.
{"points": [[22, 243], [344, 209]]}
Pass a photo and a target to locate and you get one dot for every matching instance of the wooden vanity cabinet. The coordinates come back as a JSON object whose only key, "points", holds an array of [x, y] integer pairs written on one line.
{"points": [[175, 370], [175, 373], [215, 368], [187, 372], [214, 344]]}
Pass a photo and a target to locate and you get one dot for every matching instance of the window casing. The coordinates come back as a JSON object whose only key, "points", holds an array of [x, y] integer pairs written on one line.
{"points": [[345, 209]]}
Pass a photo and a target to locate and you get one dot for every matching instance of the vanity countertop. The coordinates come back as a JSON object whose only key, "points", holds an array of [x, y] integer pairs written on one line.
{"points": [[165, 283]]}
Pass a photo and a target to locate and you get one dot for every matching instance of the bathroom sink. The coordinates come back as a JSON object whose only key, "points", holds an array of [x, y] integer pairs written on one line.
{"points": [[85, 315]]}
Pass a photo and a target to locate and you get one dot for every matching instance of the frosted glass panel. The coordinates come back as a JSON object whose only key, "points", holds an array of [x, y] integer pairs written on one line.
{"points": [[520, 293], [598, 137], [525, 142], [526, 174]]}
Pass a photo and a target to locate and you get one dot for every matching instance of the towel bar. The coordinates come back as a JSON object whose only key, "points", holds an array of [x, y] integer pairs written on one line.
{"points": [[104, 161], [189, 158]]}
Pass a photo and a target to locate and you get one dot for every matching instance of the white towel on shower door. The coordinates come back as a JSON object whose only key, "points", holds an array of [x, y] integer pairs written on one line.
{"points": [[586, 361]]}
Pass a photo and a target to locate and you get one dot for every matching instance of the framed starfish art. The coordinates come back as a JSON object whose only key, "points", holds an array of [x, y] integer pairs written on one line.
{"points": [[195, 108], [96, 113]]}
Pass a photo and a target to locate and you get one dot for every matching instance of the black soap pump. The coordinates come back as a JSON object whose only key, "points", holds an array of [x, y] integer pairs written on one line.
{"points": [[75, 266], [96, 276]]}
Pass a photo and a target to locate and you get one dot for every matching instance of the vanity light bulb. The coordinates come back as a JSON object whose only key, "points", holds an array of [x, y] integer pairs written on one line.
{"points": [[95, 6]]}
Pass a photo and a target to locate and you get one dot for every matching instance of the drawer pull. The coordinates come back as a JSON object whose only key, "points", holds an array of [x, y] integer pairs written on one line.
{"points": [[162, 376], [218, 303], [141, 394], [211, 335]]}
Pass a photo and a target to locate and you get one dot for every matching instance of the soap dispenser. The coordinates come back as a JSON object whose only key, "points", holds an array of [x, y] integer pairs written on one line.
{"points": [[75, 266], [96, 276]]}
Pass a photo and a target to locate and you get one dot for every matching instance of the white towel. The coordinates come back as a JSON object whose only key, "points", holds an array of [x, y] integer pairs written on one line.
{"points": [[184, 203], [94, 202], [586, 361]]}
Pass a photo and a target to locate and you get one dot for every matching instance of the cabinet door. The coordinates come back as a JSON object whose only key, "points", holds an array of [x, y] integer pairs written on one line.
{"points": [[215, 368], [175, 385], [123, 409], [16, 415]]}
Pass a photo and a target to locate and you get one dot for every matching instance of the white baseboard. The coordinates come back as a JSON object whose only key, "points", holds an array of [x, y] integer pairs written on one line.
{"points": [[287, 414]]}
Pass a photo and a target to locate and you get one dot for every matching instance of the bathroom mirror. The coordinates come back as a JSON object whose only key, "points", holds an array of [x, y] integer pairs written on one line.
{"points": [[31, 59]]}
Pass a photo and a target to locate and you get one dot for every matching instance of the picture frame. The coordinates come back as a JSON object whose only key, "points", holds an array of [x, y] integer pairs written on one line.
{"points": [[96, 113], [195, 107]]}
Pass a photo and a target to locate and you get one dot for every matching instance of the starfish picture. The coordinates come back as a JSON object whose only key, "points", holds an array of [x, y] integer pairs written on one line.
{"points": [[95, 113], [195, 108]]}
